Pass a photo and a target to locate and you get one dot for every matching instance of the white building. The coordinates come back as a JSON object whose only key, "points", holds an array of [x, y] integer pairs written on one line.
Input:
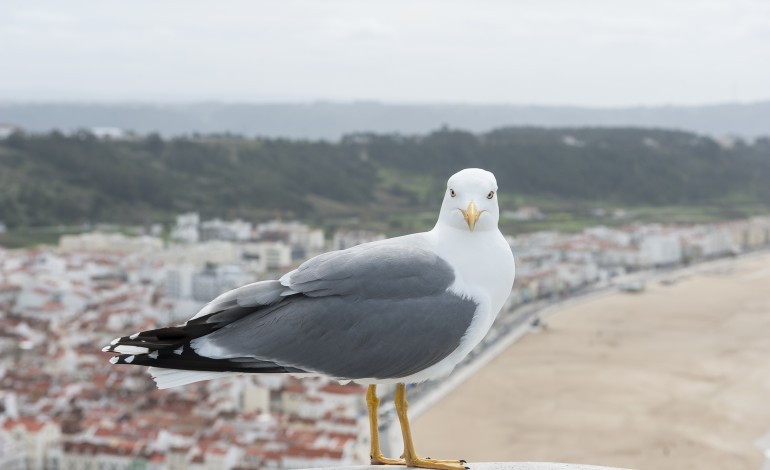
{"points": [[311, 239], [217, 229], [344, 239], [113, 242], [524, 213], [255, 397], [293, 398], [97, 455], [198, 254], [661, 249], [274, 255], [347, 397], [179, 281], [267, 256], [216, 279], [709, 242], [304, 241], [12, 453], [36, 438], [186, 228]]}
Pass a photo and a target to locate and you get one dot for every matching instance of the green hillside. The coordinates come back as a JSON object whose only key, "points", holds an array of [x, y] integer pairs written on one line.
{"points": [[394, 180]]}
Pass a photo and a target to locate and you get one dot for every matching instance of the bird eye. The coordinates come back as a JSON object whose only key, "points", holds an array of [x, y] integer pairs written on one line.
{"points": [[452, 192], [491, 195]]}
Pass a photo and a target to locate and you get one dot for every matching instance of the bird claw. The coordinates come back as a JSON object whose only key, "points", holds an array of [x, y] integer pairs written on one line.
{"points": [[437, 464], [381, 460]]}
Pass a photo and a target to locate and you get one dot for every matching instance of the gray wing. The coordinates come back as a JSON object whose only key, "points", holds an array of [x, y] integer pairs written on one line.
{"points": [[237, 303], [380, 310]]}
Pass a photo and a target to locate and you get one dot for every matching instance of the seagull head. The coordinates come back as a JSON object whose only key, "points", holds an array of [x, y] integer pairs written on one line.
{"points": [[470, 201]]}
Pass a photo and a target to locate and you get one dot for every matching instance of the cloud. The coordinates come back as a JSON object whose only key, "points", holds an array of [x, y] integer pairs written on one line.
{"points": [[43, 16], [593, 52], [359, 28]]}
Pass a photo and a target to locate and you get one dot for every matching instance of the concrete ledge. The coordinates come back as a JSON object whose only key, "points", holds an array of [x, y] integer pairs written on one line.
{"points": [[496, 466]]}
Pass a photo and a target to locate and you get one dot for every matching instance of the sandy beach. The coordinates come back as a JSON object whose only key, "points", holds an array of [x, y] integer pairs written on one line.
{"points": [[676, 377]]}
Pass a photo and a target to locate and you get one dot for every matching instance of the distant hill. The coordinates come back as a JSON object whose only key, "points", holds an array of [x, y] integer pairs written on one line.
{"points": [[332, 120], [70, 179]]}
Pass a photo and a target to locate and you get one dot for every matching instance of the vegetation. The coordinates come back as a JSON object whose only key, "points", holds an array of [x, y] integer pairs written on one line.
{"points": [[395, 181]]}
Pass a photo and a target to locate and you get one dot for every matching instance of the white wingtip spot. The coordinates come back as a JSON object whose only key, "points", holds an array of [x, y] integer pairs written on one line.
{"points": [[153, 355], [134, 336], [106, 348], [114, 341], [114, 360], [129, 359], [126, 349], [179, 350]]}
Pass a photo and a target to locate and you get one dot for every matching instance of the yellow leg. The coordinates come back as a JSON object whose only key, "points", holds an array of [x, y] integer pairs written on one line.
{"points": [[410, 455], [373, 403]]}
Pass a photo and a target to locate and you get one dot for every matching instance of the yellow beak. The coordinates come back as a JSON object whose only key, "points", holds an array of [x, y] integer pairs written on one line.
{"points": [[471, 215]]}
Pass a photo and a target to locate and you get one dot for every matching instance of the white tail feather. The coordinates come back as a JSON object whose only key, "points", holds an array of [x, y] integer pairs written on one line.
{"points": [[168, 378]]}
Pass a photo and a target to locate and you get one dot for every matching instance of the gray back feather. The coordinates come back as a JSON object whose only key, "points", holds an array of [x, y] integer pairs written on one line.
{"points": [[374, 270], [380, 310], [223, 308]]}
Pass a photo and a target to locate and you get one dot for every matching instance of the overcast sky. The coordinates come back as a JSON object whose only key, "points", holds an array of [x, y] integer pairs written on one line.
{"points": [[587, 52]]}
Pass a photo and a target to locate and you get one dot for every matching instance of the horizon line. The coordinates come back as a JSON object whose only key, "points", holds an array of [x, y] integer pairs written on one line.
{"points": [[373, 102]]}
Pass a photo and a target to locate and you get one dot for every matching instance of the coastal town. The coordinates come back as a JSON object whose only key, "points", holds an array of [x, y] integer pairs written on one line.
{"points": [[62, 406]]}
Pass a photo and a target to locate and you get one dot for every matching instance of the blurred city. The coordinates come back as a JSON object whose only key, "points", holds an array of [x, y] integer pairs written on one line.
{"points": [[63, 408]]}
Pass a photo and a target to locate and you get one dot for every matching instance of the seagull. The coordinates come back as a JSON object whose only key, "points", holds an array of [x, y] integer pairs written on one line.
{"points": [[396, 311]]}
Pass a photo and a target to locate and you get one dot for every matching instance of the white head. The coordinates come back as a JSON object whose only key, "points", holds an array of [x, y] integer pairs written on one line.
{"points": [[470, 202]]}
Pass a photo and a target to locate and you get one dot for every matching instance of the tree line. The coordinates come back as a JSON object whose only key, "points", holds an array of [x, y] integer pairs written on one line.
{"points": [[48, 179]]}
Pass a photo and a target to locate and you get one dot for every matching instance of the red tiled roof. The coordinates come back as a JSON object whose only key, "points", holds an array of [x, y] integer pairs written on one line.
{"points": [[30, 424], [294, 388], [342, 389], [313, 453]]}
